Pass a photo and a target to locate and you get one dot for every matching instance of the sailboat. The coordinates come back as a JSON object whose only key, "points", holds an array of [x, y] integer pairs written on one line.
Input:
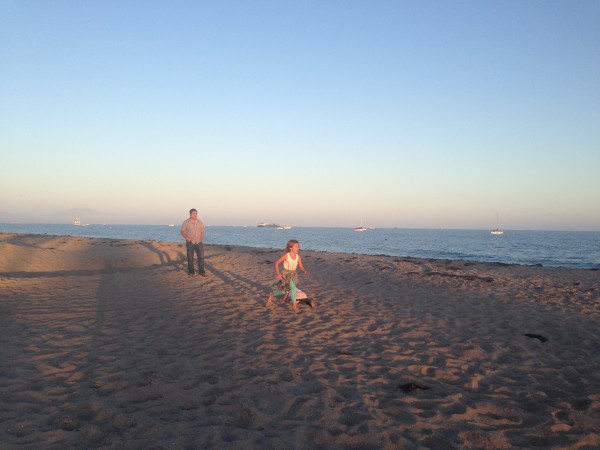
{"points": [[77, 221], [361, 228], [497, 230]]}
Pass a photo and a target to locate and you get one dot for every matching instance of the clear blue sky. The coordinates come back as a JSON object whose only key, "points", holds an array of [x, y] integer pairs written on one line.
{"points": [[407, 113]]}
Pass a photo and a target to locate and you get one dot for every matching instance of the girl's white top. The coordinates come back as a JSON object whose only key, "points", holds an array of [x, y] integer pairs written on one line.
{"points": [[289, 263]]}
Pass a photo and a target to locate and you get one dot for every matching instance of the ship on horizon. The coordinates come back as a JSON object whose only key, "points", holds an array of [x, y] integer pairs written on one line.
{"points": [[267, 224]]}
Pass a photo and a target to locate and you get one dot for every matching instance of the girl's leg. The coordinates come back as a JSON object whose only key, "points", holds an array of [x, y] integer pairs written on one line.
{"points": [[275, 293], [293, 295], [293, 291]]}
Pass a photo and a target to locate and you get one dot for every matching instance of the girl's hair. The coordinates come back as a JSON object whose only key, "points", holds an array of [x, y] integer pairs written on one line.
{"points": [[290, 244]]}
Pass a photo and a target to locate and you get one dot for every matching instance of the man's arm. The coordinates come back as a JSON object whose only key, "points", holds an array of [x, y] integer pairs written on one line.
{"points": [[185, 236]]}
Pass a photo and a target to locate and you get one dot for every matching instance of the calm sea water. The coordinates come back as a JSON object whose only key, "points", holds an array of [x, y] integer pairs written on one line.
{"points": [[548, 248]]}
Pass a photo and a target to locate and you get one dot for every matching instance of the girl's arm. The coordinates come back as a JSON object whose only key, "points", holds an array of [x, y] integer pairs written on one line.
{"points": [[279, 261], [301, 266]]}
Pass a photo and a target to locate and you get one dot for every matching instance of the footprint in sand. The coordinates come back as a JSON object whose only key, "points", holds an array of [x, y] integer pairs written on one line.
{"points": [[409, 387], [536, 336]]}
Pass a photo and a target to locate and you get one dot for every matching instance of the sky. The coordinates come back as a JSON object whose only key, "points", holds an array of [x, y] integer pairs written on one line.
{"points": [[410, 114]]}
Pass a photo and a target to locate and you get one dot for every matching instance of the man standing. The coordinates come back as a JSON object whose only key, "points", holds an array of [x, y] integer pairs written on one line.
{"points": [[192, 230]]}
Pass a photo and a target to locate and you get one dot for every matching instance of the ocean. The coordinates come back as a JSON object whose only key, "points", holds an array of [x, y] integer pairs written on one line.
{"points": [[548, 248]]}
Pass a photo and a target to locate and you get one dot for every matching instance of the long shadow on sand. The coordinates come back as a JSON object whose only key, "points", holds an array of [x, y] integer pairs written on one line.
{"points": [[246, 286]]}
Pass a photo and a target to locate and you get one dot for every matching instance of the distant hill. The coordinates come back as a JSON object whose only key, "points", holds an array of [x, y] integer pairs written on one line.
{"points": [[87, 215]]}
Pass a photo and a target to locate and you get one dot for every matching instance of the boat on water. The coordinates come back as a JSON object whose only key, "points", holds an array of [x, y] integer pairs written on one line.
{"points": [[361, 227], [267, 224], [77, 221], [497, 230]]}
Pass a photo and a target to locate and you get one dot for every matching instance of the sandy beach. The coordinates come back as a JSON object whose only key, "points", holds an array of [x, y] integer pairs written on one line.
{"points": [[107, 343]]}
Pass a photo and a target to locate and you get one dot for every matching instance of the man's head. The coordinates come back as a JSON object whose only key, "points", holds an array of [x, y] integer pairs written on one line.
{"points": [[193, 213]]}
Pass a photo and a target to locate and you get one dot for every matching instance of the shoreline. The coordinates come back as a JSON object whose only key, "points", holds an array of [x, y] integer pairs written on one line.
{"points": [[112, 345], [383, 255]]}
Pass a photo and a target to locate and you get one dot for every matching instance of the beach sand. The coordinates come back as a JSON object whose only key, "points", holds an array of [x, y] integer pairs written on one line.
{"points": [[107, 343]]}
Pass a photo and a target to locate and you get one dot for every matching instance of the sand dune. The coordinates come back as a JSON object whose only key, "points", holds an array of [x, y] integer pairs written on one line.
{"points": [[107, 344]]}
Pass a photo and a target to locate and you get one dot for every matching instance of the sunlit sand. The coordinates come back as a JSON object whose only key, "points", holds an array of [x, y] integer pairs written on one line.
{"points": [[108, 343]]}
